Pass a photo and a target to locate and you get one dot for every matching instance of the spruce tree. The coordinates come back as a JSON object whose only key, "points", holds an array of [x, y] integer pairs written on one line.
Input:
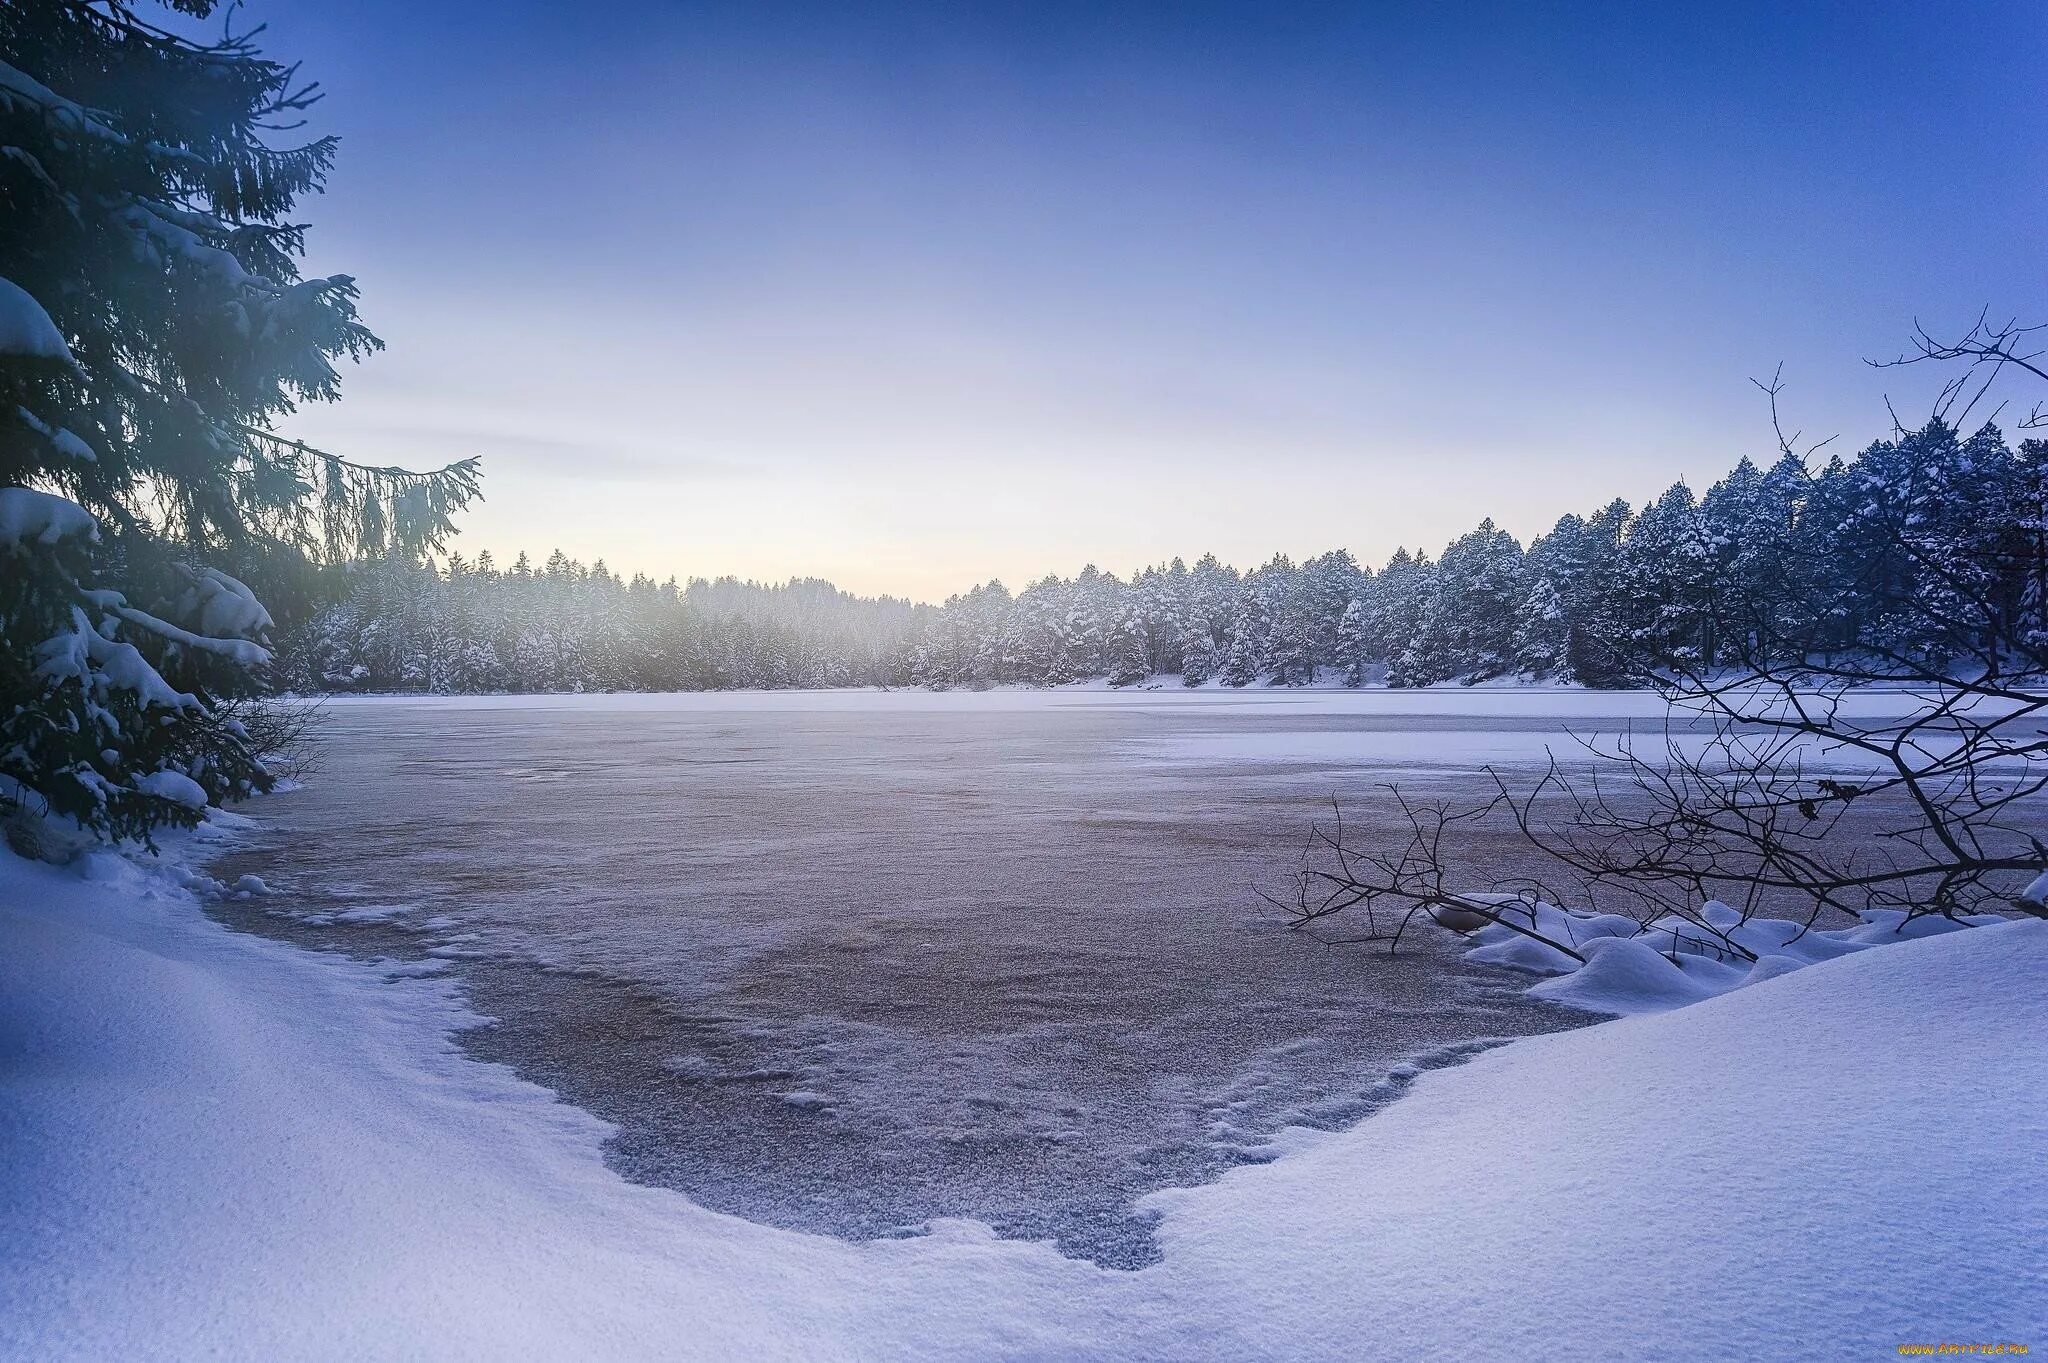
{"points": [[1542, 632], [154, 328], [1666, 578]]}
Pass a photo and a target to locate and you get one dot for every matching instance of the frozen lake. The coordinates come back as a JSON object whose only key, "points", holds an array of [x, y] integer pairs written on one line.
{"points": [[851, 961]]}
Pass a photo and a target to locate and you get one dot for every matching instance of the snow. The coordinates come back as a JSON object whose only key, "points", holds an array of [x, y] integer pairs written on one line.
{"points": [[239, 650], [62, 439], [1842, 1161], [227, 608], [17, 87], [30, 517], [26, 329], [1673, 961], [223, 1146], [173, 786], [82, 653], [220, 1146]]}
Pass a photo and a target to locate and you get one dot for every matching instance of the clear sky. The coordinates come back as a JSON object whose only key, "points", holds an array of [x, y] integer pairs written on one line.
{"points": [[912, 296]]}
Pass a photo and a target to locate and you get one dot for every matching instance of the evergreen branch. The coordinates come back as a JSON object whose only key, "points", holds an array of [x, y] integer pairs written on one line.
{"points": [[470, 465]]}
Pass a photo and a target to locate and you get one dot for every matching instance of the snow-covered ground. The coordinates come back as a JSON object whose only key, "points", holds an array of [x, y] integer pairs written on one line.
{"points": [[219, 1145]]}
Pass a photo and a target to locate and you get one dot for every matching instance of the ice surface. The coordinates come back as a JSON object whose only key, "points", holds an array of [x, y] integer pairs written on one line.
{"points": [[1008, 940]]}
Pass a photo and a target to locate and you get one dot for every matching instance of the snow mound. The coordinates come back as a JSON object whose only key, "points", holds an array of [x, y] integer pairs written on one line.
{"points": [[1673, 961], [1625, 975]]}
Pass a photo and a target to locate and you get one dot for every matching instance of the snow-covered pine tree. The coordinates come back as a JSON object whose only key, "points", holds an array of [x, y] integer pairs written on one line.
{"points": [[1541, 631], [1595, 650], [1197, 654], [153, 329], [1351, 653], [1212, 595], [1167, 613], [1124, 655], [1394, 600], [1542, 624], [1091, 603], [1249, 630], [1665, 582], [1468, 630], [1329, 584], [1291, 650]]}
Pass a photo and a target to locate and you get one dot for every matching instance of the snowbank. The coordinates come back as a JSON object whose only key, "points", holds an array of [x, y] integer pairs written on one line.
{"points": [[220, 1146], [1826, 1167], [217, 1145]]}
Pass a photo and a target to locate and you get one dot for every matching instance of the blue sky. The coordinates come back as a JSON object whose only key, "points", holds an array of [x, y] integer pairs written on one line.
{"points": [[912, 296]]}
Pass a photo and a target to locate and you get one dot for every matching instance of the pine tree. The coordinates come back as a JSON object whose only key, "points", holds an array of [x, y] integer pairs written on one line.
{"points": [[1350, 652], [1212, 595], [1291, 652], [1542, 632], [1468, 629], [156, 328], [1246, 660], [1395, 600], [1566, 627], [1126, 651], [1329, 584], [1596, 652], [1197, 654], [1666, 583]]}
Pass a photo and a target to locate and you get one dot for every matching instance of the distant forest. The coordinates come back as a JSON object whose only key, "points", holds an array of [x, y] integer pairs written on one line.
{"points": [[1770, 558]]}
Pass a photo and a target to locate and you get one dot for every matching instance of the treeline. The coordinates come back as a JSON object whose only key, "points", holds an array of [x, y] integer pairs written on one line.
{"points": [[1770, 561]]}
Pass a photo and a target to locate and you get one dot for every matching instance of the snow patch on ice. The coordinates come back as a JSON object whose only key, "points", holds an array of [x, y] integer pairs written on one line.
{"points": [[371, 913]]}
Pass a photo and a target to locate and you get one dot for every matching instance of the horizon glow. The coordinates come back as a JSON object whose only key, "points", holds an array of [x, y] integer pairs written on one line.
{"points": [[914, 298]]}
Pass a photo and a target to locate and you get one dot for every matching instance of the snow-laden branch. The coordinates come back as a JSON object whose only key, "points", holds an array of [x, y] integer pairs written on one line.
{"points": [[26, 329], [29, 517]]}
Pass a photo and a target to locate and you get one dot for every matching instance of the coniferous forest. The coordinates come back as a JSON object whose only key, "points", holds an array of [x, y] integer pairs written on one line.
{"points": [[1768, 556]]}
